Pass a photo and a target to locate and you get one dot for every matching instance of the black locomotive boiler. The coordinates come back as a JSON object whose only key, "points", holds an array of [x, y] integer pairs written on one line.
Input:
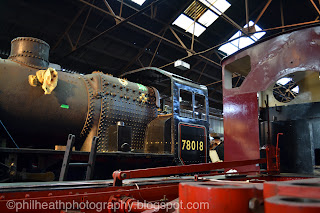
{"points": [[127, 118]]}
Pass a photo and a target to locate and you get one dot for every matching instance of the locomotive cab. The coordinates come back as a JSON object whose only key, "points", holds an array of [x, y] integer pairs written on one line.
{"points": [[181, 127]]}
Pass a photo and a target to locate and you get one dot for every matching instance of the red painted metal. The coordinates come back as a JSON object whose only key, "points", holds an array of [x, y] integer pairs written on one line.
{"points": [[278, 141], [307, 188], [276, 58], [170, 170], [129, 204], [279, 204], [269, 61], [273, 167], [218, 196], [148, 192], [241, 132], [278, 152]]}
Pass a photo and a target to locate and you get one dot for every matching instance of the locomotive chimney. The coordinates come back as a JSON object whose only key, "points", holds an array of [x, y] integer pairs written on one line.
{"points": [[30, 51]]}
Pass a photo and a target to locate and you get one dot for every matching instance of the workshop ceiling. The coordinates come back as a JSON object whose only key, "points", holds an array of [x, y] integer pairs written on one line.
{"points": [[84, 37]]}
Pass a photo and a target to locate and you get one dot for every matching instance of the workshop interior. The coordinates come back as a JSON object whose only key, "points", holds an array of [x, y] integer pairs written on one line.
{"points": [[162, 106]]}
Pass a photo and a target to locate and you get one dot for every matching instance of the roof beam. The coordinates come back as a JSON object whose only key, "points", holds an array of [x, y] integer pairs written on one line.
{"points": [[315, 6], [176, 28], [262, 12], [69, 27], [122, 21], [147, 32]]}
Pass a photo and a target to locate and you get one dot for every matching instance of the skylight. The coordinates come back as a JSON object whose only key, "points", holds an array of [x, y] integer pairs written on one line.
{"points": [[139, 2], [221, 5], [284, 81], [242, 42], [296, 89], [199, 15], [208, 18]]}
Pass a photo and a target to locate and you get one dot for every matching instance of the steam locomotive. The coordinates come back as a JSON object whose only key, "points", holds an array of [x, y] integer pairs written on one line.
{"points": [[133, 130]]}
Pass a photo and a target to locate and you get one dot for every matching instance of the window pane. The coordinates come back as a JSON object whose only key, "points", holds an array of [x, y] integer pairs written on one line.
{"points": [[200, 107], [208, 2], [185, 100], [208, 18], [183, 21], [228, 48], [243, 41], [139, 2], [221, 5], [198, 30]]}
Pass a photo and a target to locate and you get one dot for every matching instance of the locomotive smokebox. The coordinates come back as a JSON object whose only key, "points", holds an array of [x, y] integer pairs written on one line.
{"points": [[83, 105], [34, 119], [31, 52]]}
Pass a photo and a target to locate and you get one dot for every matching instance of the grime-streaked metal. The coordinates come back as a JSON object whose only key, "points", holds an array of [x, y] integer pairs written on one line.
{"points": [[30, 51], [269, 61]]}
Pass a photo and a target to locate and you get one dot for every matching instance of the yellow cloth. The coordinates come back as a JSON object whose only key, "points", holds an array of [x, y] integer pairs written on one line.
{"points": [[48, 79]]}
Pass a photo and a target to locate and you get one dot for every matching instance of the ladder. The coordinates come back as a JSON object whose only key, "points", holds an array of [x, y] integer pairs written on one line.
{"points": [[67, 156]]}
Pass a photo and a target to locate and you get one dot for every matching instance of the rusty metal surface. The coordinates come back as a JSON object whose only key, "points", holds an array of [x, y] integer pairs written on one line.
{"points": [[269, 61]]}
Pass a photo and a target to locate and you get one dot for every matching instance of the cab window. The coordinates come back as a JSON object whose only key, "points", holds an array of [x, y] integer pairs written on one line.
{"points": [[186, 106]]}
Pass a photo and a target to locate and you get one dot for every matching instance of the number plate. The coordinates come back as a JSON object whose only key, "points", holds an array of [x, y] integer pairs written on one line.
{"points": [[192, 143]]}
